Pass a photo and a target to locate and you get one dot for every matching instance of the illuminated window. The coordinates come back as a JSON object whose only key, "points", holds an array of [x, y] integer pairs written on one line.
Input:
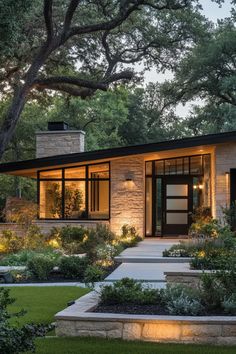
{"points": [[80, 192]]}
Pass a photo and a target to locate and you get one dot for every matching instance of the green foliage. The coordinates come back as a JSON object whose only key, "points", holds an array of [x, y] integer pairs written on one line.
{"points": [[40, 267], [218, 287], [93, 273], [73, 267], [128, 291], [21, 258], [208, 252], [11, 242], [181, 300], [34, 238], [98, 236], [129, 236], [16, 339], [70, 238], [230, 215], [202, 229], [229, 305], [215, 295], [179, 250], [105, 254], [202, 214]]}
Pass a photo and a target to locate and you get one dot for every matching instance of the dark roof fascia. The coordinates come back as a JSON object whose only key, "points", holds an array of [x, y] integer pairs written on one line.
{"points": [[47, 162]]}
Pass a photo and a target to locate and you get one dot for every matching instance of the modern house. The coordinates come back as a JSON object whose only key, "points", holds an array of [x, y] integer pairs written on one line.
{"points": [[154, 187]]}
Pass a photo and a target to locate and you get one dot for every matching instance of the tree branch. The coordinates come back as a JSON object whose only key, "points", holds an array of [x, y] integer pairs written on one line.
{"points": [[69, 15], [48, 18], [107, 25], [71, 81], [94, 85], [71, 90]]}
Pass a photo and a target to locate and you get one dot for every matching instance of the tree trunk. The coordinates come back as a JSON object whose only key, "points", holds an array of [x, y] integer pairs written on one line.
{"points": [[20, 97]]}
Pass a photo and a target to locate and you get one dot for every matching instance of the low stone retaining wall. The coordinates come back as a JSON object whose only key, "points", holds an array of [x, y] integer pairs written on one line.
{"points": [[12, 227], [78, 321], [190, 278], [46, 226]]}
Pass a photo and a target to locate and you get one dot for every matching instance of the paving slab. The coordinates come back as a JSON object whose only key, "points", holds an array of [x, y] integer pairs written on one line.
{"points": [[148, 272], [152, 247]]}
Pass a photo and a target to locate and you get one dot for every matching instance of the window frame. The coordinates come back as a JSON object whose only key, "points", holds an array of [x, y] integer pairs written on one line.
{"points": [[154, 176], [63, 180]]}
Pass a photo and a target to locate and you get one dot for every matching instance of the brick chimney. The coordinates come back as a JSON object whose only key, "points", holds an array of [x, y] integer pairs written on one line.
{"points": [[59, 140]]}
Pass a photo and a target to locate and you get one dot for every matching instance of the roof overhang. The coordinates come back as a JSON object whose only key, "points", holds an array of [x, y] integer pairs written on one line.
{"points": [[30, 167]]}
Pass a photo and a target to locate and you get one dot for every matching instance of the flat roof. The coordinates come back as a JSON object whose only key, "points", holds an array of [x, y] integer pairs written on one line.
{"points": [[59, 160]]}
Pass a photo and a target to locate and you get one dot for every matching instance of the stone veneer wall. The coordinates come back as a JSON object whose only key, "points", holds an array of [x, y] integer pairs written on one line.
{"points": [[47, 225], [78, 321], [49, 143], [225, 159], [127, 197]]}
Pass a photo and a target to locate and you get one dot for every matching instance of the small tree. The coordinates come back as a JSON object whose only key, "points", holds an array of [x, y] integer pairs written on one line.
{"points": [[15, 339]]}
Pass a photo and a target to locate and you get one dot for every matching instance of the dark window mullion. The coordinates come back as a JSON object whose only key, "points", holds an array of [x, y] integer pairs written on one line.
{"points": [[63, 194], [86, 193]]}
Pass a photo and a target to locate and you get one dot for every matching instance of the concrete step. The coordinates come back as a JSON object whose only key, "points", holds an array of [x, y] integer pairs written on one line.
{"points": [[146, 259], [148, 272]]}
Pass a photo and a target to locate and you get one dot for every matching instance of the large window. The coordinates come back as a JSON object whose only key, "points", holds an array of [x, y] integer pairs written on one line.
{"points": [[80, 192]]}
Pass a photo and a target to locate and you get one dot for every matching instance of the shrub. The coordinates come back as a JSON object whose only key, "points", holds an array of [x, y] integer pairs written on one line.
{"points": [[181, 300], [105, 255], [201, 229], [93, 273], [202, 214], [15, 339], [20, 275], [217, 287], [35, 239], [129, 236], [177, 251], [21, 258], [10, 242], [17, 259], [73, 267], [23, 214], [40, 267], [229, 304], [100, 235], [71, 238], [128, 291]]}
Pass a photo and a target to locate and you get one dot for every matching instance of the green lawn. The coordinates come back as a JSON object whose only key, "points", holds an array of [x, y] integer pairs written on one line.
{"points": [[42, 303], [101, 346]]}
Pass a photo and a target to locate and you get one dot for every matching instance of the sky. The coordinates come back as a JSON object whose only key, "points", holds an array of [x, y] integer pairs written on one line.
{"points": [[213, 12]]}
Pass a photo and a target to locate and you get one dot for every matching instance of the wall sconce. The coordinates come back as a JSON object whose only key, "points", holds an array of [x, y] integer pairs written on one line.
{"points": [[198, 186], [129, 181]]}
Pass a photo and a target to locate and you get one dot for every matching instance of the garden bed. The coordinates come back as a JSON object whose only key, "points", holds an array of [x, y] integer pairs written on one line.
{"points": [[79, 320], [142, 310]]}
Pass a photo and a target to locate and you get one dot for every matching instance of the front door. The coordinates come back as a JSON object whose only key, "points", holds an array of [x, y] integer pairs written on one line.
{"points": [[177, 205]]}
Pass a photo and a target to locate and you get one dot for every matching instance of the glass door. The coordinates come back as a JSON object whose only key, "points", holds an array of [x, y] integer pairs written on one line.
{"points": [[177, 205]]}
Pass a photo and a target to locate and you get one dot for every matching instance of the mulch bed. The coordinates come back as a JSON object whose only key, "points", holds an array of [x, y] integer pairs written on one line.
{"points": [[132, 309], [144, 310]]}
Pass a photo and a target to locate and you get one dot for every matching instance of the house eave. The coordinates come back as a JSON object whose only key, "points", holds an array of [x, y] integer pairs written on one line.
{"points": [[21, 167]]}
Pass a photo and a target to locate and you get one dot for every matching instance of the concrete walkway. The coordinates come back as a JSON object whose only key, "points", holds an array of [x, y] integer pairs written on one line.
{"points": [[145, 262]]}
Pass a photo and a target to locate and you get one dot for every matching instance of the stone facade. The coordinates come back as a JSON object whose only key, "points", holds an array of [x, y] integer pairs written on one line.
{"points": [[47, 225], [50, 143], [127, 193], [225, 159], [78, 321], [191, 278]]}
